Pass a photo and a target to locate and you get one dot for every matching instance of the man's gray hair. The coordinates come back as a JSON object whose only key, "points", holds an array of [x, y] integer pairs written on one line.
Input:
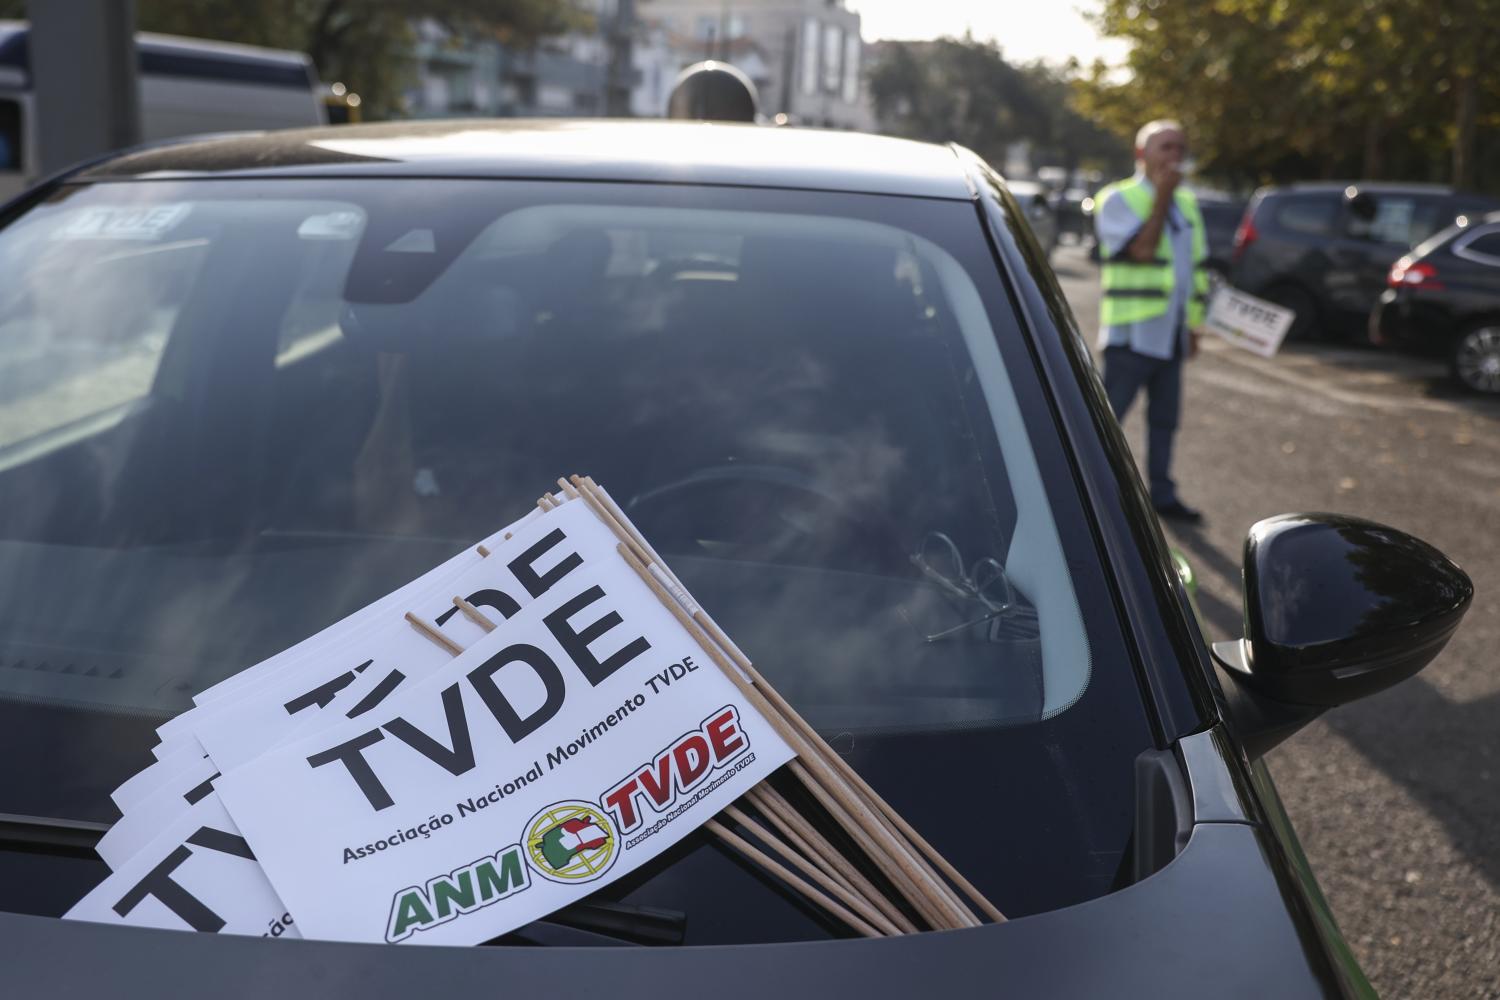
{"points": [[1153, 128]]}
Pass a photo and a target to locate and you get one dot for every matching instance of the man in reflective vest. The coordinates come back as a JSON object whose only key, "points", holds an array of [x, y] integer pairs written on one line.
{"points": [[1152, 250]]}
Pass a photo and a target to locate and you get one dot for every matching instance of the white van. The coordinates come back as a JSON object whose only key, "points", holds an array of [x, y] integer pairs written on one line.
{"points": [[187, 86]]}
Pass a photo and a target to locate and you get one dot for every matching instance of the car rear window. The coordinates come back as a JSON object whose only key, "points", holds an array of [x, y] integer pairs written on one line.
{"points": [[1307, 215], [1485, 245], [286, 398], [1400, 220]]}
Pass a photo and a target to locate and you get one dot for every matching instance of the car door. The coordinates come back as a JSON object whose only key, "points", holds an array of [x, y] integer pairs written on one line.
{"points": [[1373, 234], [1299, 231]]}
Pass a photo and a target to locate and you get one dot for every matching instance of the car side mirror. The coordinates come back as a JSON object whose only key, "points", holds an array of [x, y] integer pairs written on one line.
{"points": [[1336, 608]]}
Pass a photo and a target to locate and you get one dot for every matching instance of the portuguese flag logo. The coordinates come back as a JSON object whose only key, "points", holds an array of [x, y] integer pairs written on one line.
{"points": [[570, 842], [562, 843]]}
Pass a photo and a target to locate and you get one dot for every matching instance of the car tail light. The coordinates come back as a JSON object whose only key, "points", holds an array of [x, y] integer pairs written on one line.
{"points": [[1244, 236], [1406, 273]]}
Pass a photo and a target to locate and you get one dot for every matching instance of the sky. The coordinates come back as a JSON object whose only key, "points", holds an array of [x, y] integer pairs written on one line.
{"points": [[1051, 30]]}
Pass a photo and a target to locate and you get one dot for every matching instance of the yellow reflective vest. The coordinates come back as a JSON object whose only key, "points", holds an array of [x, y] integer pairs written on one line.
{"points": [[1135, 291]]}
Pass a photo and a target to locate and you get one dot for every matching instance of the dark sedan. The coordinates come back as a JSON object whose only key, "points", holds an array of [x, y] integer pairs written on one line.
{"points": [[249, 384], [1221, 220], [1444, 300], [1323, 250]]}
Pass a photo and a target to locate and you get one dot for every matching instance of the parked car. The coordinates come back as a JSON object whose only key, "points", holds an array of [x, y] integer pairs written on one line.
{"points": [[1075, 214], [249, 384], [1323, 250], [1444, 300], [1037, 201], [1221, 220]]}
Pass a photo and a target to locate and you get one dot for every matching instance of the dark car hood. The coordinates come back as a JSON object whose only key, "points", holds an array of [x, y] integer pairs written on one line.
{"points": [[1215, 922]]}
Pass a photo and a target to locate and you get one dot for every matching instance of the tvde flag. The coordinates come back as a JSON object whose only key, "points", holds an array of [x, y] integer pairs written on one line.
{"points": [[198, 874], [145, 821], [1246, 321], [580, 739]]}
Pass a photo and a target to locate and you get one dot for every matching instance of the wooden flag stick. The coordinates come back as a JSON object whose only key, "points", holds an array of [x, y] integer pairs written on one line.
{"points": [[919, 892], [922, 893], [628, 538], [781, 872], [432, 632], [814, 847], [894, 817], [954, 911], [744, 663], [903, 858], [795, 827], [923, 888], [473, 614], [834, 883], [838, 798], [802, 864]]}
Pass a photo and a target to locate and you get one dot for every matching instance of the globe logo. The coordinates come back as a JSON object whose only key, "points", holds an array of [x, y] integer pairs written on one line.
{"points": [[570, 842]]}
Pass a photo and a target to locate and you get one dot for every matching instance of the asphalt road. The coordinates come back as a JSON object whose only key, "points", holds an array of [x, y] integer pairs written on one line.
{"points": [[1396, 797]]}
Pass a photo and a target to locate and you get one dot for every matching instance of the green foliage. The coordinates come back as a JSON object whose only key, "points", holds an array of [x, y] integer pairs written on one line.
{"points": [[964, 91], [1275, 90], [362, 43]]}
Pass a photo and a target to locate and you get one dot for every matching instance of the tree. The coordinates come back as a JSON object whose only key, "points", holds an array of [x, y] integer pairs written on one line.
{"points": [[964, 91], [1068, 138], [1274, 90], [363, 43]]}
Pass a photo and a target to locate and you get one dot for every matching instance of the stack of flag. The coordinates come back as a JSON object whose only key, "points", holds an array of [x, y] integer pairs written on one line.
{"points": [[480, 748]]}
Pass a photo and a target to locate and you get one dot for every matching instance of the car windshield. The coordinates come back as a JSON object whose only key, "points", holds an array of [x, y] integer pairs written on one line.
{"points": [[233, 412]]}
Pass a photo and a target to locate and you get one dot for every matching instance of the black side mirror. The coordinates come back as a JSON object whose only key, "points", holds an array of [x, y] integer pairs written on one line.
{"points": [[1336, 608]]}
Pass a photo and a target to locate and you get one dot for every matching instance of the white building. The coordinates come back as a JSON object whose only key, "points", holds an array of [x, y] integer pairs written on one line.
{"points": [[656, 61], [810, 52], [596, 71]]}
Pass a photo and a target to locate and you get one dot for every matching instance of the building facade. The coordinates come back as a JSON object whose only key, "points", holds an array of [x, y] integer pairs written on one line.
{"points": [[598, 71], [812, 50], [806, 58]]}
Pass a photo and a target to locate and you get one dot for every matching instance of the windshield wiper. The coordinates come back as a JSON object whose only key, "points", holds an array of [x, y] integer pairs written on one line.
{"points": [[602, 923], [45, 835]]}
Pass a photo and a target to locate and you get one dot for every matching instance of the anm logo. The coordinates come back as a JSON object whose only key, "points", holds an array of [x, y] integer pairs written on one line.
{"points": [[571, 842]]}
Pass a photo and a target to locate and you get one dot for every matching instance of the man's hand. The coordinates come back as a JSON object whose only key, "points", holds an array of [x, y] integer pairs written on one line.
{"points": [[1194, 335], [1165, 179]]}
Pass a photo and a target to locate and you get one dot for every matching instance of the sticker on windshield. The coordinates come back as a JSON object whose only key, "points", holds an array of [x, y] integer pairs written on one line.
{"points": [[415, 241], [344, 225], [124, 223]]}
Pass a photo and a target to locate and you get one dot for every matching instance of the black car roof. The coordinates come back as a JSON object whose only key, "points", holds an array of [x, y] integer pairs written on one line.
{"points": [[565, 149], [1371, 187]]}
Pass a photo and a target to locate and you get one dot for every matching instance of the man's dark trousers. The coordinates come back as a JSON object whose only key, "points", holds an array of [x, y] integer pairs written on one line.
{"points": [[1125, 374]]}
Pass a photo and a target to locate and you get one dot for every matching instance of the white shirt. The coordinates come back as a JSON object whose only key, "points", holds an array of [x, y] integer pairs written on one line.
{"points": [[1116, 225]]}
